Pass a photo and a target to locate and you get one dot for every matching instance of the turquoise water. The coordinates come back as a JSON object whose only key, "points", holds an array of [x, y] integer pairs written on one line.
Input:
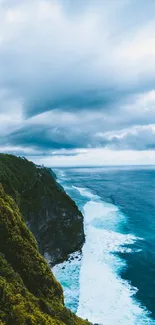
{"points": [[113, 281]]}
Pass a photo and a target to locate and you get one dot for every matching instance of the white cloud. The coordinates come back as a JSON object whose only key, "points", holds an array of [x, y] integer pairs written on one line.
{"points": [[99, 157], [53, 52], [11, 113]]}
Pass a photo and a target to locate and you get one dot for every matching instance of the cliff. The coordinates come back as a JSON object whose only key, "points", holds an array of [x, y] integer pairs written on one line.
{"points": [[29, 292], [49, 212]]}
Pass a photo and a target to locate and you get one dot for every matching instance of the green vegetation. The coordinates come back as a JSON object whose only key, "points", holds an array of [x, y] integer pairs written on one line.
{"points": [[29, 292], [27, 182], [49, 212]]}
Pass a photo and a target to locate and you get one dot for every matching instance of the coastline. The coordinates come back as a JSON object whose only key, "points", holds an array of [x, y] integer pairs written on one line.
{"points": [[105, 240]]}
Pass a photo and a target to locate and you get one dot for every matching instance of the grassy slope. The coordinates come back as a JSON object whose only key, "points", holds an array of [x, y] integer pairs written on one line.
{"points": [[29, 292]]}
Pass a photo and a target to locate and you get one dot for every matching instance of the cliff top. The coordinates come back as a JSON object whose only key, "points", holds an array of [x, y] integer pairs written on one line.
{"points": [[49, 212]]}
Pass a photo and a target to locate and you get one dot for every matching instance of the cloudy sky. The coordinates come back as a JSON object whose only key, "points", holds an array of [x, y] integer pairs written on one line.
{"points": [[77, 81]]}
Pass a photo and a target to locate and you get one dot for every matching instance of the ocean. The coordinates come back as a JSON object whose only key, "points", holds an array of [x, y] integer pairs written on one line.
{"points": [[113, 280]]}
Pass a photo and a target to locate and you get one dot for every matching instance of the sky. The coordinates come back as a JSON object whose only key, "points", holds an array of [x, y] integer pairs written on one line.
{"points": [[77, 81]]}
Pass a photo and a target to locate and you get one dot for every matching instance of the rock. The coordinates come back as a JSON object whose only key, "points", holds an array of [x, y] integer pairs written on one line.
{"points": [[29, 292], [49, 212]]}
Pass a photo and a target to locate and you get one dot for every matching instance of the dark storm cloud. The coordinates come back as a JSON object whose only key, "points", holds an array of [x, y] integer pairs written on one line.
{"points": [[94, 60], [46, 139]]}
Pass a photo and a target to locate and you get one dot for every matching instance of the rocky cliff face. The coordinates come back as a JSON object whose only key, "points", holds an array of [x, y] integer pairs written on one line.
{"points": [[49, 212], [29, 292]]}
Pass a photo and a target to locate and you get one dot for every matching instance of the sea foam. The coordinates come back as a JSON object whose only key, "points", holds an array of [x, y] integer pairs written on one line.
{"points": [[93, 286], [85, 192], [68, 274], [104, 297]]}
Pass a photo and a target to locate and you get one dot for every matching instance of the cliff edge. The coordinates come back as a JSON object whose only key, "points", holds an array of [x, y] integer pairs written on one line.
{"points": [[29, 292], [49, 212]]}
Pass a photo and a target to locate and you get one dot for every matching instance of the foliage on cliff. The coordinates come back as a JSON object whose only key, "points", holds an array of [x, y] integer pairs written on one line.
{"points": [[27, 182], [49, 212], [29, 292]]}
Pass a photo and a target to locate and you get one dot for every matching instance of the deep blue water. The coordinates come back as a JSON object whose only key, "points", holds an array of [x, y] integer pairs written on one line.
{"points": [[119, 203]]}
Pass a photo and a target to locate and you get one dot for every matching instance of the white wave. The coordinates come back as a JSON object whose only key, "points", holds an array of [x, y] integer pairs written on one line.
{"points": [[61, 173], [85, 192], [104, 297], [96, 291], [68, 273]]}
